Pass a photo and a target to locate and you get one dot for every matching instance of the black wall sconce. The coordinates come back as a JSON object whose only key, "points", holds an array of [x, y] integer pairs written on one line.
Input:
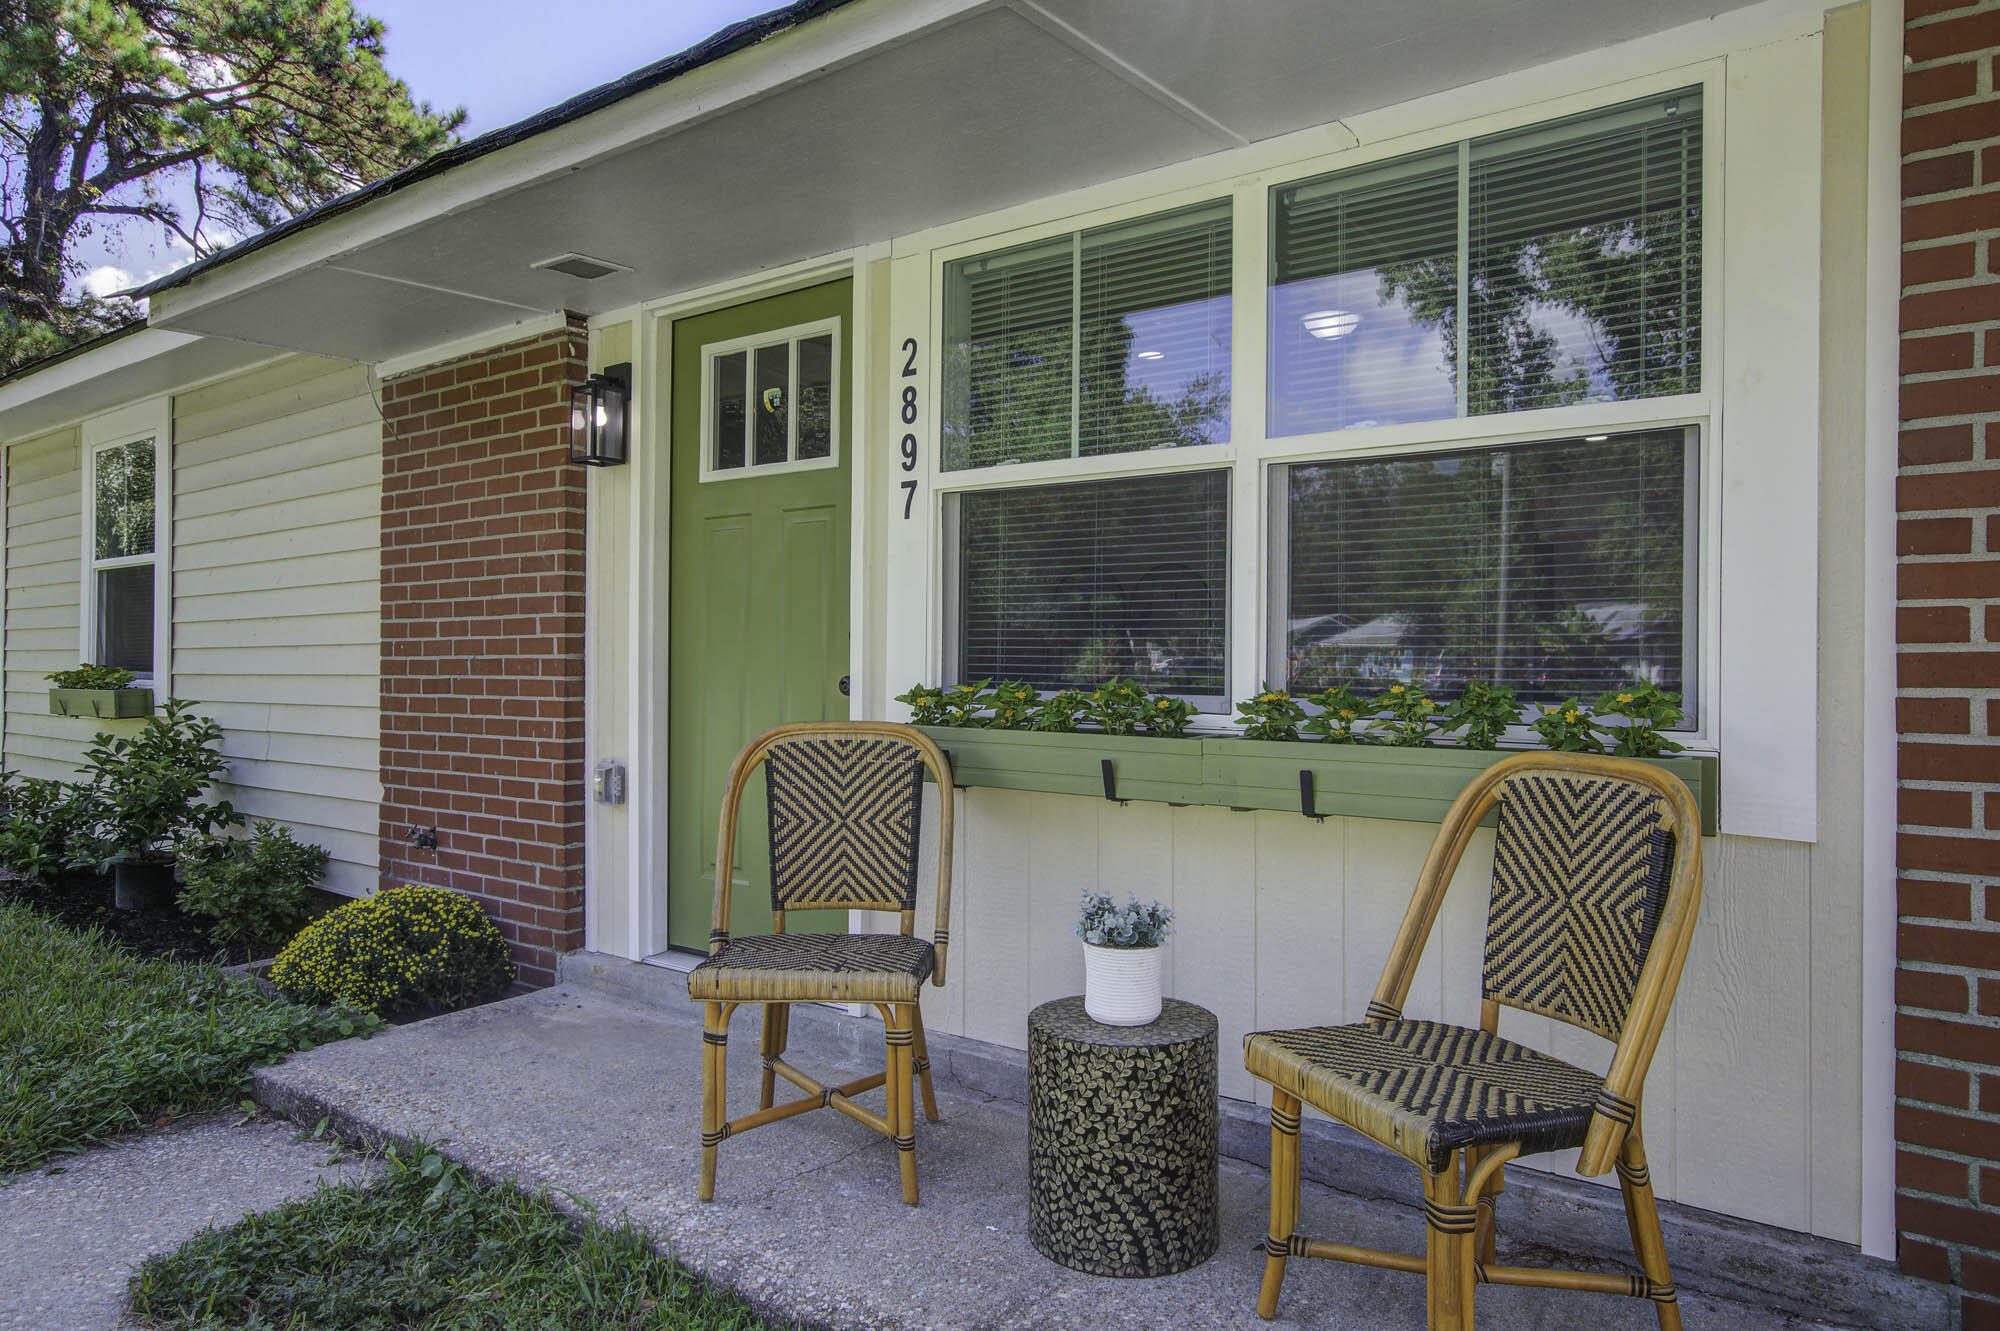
{"points": [[597, 417]]}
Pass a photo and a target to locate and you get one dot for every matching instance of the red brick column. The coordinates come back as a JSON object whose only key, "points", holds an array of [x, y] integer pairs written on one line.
{"points": [[1948, 668], [482, 639]]}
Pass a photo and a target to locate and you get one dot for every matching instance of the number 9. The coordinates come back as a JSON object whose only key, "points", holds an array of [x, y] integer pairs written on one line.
{"points": [[909, 452]]}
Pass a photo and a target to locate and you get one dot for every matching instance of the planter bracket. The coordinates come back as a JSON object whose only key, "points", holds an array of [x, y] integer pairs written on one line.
{"points": [[1306, 801], [1110, 781]]}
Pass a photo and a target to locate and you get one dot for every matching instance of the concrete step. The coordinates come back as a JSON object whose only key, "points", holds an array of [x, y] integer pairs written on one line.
{"points": [[1723, 1256]]}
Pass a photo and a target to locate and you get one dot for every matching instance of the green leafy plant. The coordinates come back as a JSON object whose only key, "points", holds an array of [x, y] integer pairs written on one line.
{"points": [[91, 677], [966, 704], [1118, 706], [404, 947], [1408, 716], [256, 888], [1013, 705], [1272, 714], [96, 1040], [146, 790], [1482, 714], [39, 819], [926, 705], [1103, 923], [1340, 712], [1060, 712], [1569, 727], [1645, 711], [1168, 717]]}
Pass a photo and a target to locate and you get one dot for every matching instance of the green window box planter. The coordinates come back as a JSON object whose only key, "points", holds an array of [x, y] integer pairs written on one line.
{"points": [[104, 704], [1347, 780]]}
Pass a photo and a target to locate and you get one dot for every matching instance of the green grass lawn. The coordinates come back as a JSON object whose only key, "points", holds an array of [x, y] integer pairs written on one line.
{"points": [[426, 1247], [95, 1041]]}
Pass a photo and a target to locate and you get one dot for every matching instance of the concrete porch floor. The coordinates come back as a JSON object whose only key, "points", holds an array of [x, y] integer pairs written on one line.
{"points": [[593, 1088]]}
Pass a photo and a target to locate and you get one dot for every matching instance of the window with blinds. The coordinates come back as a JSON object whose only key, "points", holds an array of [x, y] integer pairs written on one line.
{"points": [[1559, 568], [1065, 586], [1102, 341], [1539, 268], [123, 567]]}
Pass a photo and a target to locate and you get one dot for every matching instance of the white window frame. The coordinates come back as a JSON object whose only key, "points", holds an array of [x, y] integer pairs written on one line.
{"points": [[791, 336], [130, 425], [1254, 457]]}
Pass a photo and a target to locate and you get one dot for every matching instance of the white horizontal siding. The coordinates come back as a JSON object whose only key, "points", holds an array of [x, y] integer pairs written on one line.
{"points": [[277, 534]]}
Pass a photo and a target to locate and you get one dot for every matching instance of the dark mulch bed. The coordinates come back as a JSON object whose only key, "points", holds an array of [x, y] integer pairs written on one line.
{"points": [[84, 900]]}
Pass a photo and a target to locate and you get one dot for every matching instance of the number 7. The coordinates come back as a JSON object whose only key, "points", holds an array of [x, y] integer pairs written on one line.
{"points": [[909, 498]]}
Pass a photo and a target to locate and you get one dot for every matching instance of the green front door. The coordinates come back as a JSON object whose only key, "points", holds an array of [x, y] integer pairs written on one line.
{"points": [[758, 608]]}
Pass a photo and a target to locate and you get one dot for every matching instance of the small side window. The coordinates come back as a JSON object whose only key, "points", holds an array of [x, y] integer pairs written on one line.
{"points": [[122, 556]]}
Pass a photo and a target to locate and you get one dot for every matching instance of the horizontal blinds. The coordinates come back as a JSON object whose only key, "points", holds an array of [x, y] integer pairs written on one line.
{"points": [[1010, 324], [1364, 298], [125, 617], [1103, 341], [1067, 585], [1154, 325], [1555, 568], [1585, 258]]}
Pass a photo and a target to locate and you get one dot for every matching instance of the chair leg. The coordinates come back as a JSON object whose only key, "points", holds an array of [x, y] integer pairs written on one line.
{"points": [[923, 1064], [901, 1094], [777, 1025], [1642, 1215], [714, 1115], [1284, 1198], [1485, 1236], [1450, 1231]]}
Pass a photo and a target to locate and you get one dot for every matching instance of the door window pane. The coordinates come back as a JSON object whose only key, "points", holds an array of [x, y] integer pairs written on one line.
{"points": [[728, 411], [123, 500], [125, 618], [1364, 297], [815, 404], [1068, 585], [1558, 568], [1103, 341], [773, 405]]}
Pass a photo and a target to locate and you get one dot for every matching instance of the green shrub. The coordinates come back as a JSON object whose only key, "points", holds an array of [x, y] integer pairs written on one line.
{"points": [[404, 947], [146, 790], [41, 819], [256, 888], [96, 1041]]}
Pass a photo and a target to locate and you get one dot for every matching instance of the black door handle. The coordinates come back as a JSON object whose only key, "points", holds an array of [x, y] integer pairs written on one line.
{"points": [[845, 683]]}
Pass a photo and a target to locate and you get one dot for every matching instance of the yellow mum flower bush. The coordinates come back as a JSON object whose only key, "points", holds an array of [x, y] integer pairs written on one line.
{"points": [[406, 947]]}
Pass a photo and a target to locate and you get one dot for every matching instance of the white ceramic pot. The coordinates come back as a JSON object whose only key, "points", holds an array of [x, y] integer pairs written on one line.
{"points": [[1121, 985]]}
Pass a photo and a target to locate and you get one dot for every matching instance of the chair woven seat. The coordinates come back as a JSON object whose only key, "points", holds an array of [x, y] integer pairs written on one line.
{"points": [[1426, 1089], [835, 968]]}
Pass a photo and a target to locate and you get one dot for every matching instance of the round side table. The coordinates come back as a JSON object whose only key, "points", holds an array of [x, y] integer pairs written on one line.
{"points": [[1122, 1140]]}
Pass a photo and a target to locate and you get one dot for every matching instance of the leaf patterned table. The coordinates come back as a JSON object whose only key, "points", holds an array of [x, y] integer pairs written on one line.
{"points": [[1122, 1140]]}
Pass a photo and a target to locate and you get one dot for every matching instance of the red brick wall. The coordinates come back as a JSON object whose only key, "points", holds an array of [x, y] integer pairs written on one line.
{"points": [[482, 639], [1948, 676]]}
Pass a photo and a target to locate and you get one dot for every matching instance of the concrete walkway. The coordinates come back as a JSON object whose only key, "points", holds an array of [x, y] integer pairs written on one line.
{"points": [[594, 1090], [72, 1231]]}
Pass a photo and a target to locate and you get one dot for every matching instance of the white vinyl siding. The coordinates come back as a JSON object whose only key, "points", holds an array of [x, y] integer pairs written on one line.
{"points": [[277, 607]]}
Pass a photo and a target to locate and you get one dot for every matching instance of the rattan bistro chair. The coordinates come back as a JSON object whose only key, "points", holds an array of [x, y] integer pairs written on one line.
{"points": [[1596, 880], [846, 802]]}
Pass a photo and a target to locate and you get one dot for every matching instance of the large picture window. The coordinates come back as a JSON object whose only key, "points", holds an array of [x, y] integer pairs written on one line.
{"points": [[1103, 341], [1558, 568], [123, 561], [1068, 585], [1543, 267]]}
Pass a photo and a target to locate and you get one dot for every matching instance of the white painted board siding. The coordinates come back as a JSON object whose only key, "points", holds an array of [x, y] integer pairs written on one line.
{"points": [[277, 595]]}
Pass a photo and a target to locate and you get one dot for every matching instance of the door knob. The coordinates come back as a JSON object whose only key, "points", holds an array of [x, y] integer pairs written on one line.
{"points": [[844, 685]]}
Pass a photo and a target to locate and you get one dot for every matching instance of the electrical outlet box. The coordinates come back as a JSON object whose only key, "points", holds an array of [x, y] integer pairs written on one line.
{"points": [[608, 782]]}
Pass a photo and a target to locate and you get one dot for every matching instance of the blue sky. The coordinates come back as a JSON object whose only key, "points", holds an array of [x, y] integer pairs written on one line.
{"points": [[501, 60]]}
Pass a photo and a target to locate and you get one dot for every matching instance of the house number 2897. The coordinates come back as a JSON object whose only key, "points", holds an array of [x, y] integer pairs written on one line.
{"points": [[908, 415]]}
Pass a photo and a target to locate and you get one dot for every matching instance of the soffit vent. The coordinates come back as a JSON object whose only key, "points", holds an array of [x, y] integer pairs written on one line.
{"points": [[581, 265]]}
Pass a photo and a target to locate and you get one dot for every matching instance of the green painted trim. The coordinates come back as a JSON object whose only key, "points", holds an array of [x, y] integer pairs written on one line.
{"points": [[1352, 781], [101, 703]]}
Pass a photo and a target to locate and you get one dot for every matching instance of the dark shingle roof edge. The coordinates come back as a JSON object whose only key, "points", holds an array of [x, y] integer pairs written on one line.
{"points": [[54, 358], [727, 41]]}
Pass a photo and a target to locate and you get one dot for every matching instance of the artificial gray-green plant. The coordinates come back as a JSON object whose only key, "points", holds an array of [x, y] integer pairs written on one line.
{"points": [[1104, 923]]}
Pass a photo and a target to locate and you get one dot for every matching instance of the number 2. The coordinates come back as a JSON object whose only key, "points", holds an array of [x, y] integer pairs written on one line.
{"points": [[910, 365]]}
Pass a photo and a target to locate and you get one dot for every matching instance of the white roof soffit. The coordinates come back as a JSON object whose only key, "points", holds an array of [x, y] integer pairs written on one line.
{"points": [[873, 120], [119, 369]]}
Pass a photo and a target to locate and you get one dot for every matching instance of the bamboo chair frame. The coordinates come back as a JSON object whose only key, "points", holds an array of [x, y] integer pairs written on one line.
{"points": [[906, 1055], [1460, 1202]]}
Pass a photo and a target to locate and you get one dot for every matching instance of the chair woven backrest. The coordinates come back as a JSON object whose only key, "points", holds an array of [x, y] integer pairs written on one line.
{"points": [[1581, 869], [845, 820]]}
